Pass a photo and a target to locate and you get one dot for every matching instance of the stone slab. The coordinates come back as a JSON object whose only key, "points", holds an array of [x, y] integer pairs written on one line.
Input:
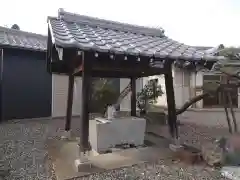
{"points": [[105, 134], [64, 154], [231, 172]]}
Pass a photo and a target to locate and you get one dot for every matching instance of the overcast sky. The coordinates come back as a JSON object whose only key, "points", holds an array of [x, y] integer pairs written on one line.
{"points": [[193, 22]]}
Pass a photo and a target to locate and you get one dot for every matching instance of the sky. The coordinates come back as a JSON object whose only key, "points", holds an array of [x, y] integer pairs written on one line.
{"points": [[193, 22]]}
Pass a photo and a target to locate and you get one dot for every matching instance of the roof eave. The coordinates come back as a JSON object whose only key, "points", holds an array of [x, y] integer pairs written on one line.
{"points": [[51, 31], [21, 48]]}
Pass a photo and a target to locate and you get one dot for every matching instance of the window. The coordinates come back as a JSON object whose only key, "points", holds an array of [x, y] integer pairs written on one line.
{"points": [[186, 78], [210, 82]]}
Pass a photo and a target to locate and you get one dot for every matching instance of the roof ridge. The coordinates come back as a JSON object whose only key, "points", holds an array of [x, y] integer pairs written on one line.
{"points": [[114, 25], [9, 30]]}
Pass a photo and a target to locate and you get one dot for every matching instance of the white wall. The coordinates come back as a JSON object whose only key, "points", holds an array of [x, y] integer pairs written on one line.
{"points": [[60, 91], [77, 96], [161, 101], [199, 83], [59, 95], [182, 93], [126, 102]]}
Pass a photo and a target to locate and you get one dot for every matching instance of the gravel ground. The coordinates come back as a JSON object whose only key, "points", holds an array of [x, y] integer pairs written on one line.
{"points": [[193, 134], [165, 170], [23, 150]]}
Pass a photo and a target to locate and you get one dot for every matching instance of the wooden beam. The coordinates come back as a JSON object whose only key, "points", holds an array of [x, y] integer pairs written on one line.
{"points": [[122, 74], [172, 118], [133, 96], [111, 70], [84, 144], [69, 102]]}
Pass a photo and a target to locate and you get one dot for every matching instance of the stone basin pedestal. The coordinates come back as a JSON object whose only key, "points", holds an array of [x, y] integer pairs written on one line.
{"points": [[106, 134]]}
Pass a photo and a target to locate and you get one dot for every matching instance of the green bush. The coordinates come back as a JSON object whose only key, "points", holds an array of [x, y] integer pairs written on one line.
{"points": [[104, 93], [148, 95]]}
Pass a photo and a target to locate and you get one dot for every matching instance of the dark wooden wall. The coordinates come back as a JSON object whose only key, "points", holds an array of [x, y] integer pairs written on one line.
{"points": [[26, 87]]}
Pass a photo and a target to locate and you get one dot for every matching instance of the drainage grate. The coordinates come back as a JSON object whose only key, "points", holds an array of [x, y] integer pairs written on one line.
{"points": [[119, 147]]}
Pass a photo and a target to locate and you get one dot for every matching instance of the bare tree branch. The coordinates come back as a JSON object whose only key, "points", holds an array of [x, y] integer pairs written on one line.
{"points": [[225, 89], [190, 102]]}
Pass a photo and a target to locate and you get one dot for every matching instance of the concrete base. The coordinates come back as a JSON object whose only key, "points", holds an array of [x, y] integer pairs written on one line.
{"points": [[176, 146], [106, 134], [81, 166], [66, 164], [83, 163], [66, 135]]}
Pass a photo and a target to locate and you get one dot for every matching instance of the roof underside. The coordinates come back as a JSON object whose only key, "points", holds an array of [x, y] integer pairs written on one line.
{"points": [[86, 33], [20, 39]]}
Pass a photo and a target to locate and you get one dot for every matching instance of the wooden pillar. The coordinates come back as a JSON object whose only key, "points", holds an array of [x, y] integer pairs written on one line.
{"points": [[133, 96], [69, 102], [1, 86], [84, 144], [172, 118]]}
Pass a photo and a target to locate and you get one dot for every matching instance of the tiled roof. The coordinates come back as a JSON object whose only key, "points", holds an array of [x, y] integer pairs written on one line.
{"points": [[202, 48], [21, 39], [87, 33]]}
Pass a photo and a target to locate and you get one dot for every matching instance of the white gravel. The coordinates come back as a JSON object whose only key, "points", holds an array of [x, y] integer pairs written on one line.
{"points": [[23, 150], [165, 170]]}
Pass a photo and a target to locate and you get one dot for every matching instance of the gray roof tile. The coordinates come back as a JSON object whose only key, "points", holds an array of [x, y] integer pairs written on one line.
{"points": [[203, 47], [87, 33], [21, 39]]}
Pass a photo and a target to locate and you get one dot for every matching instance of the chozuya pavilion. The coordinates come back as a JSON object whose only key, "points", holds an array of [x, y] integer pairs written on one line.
{"points": [[91, 47]]}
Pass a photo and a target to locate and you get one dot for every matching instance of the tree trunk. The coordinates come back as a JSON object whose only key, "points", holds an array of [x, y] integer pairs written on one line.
{"points": [[232, 112], [227, 115], [190, 102]]}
